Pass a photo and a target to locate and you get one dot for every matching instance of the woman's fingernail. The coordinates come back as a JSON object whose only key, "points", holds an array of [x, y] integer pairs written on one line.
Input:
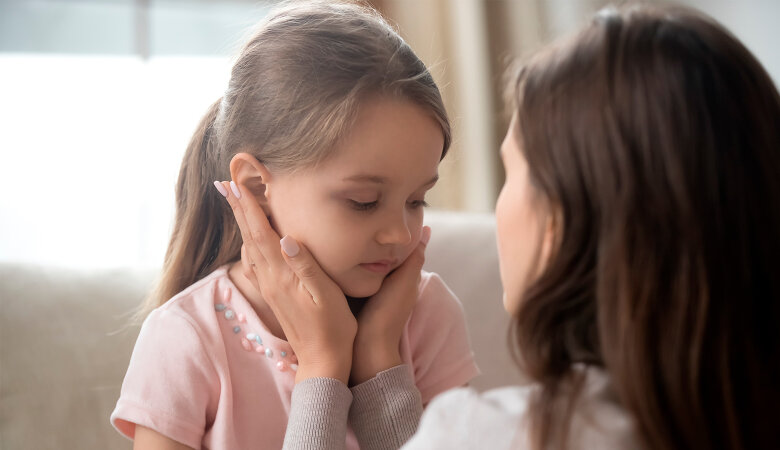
{"points": [[289, 246], [426, 235], [234, 188], [220, 188]]}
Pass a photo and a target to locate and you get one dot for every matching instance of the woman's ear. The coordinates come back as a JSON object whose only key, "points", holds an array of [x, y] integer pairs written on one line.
{"points": [[253, 176]]}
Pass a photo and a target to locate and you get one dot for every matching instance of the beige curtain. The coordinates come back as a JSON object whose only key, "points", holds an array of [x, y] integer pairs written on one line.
{"points": [[468, 45]]}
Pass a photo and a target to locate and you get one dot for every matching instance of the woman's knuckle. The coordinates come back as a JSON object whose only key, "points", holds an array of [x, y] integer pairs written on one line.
{"points": [[256, 235], [307, 271]]}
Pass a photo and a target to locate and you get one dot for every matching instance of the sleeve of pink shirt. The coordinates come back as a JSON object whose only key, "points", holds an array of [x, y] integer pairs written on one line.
{"points": [[169, 383], [440, 348]]}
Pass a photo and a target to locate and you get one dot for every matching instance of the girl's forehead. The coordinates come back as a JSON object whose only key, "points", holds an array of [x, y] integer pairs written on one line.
{"points": [[366, 178], [391, 142], [375, 173]]}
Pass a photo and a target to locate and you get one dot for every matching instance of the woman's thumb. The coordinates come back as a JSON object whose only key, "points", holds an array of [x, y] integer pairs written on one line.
{"points": [[415, 261], [302, 263]]}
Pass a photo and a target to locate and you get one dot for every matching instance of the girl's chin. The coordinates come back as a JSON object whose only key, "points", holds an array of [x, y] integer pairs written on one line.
{"points": [[360, 290]]}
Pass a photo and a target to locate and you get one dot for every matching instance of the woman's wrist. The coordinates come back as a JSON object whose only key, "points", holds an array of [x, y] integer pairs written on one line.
{"points": [[370, 360], [336, 368]]}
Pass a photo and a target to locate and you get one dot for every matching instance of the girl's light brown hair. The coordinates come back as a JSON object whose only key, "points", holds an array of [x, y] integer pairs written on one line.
{"points": [[655, 135], [294, 91]]}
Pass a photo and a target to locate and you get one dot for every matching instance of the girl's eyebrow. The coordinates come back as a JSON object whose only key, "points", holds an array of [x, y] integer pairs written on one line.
{"points": [[367, 178], [383, 180]]}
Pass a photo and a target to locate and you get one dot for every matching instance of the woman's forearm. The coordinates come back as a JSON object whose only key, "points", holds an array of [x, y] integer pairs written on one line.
{"points": [[384, 412], [318, 415], [386, 409]]}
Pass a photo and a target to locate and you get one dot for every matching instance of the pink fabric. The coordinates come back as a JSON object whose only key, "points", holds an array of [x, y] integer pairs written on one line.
{"points": [[197, 377]]}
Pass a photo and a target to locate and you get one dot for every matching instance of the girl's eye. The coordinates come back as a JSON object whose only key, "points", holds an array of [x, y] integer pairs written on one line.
{"points": [[418, 204], [363, 206]]}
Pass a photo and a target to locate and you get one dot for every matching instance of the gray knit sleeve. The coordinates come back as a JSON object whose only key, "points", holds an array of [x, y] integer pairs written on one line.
{"points": [[318, 415], [386, 409]]}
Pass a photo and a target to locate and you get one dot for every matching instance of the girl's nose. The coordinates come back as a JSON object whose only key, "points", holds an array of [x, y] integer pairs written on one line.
{"points": [[394, 230]]}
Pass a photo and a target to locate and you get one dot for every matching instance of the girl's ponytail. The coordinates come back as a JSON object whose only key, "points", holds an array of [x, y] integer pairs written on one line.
{"points": [[205, 235]]}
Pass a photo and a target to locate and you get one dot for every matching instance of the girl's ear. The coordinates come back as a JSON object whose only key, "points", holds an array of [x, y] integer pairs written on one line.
{"points": [[251, 175]]}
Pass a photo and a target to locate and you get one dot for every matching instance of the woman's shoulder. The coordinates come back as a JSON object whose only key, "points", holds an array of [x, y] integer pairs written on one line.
{"points": [[498, 418], [599, 419], [498, 403], [465, 418]]}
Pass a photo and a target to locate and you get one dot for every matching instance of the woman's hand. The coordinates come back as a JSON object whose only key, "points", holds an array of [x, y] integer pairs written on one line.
{"points": [[381, 321], [310, 307]]}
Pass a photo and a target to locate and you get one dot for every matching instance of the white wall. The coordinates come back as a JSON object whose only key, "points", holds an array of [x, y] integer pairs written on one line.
{"points": [[755, 22], [90, 146]]}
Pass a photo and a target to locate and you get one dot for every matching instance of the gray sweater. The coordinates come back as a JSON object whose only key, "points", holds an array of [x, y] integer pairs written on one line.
{"points": [[384, 413]]}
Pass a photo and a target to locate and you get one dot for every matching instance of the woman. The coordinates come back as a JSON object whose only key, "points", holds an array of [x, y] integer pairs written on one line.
{"points": [[638, 243]]}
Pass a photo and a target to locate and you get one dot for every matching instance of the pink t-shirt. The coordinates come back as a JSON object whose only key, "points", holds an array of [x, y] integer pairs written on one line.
{"points": [[206, 371]]}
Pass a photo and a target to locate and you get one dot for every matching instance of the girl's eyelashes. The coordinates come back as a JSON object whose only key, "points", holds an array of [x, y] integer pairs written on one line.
{"points": [[368, 206], [362, 206]]}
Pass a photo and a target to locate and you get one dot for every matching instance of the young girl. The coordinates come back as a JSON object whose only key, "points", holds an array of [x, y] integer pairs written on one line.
{"points": [[335, 129], [638, 245]]}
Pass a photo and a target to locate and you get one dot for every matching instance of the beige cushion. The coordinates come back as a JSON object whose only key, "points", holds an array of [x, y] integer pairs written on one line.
{"points": [[463, 251], [65, 347], [65, 340]]}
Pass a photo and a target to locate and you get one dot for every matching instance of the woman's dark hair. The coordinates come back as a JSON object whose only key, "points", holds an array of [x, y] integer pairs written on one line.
{"points": [[654, 135]]}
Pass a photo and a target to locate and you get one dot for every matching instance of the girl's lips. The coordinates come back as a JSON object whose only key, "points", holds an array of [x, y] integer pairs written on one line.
{"points": [[383, 267]]}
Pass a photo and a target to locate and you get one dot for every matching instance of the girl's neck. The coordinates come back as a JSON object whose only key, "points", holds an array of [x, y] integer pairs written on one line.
{"points": [[255, 298]]}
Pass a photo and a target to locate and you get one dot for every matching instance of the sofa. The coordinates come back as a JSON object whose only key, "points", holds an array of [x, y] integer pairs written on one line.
{"points": [[66, 336]]}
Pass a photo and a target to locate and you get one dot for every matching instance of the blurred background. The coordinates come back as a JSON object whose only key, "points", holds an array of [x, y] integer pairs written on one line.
{"points": [[98, 99]]}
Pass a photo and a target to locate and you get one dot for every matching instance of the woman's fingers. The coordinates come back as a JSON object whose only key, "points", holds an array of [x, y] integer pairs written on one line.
{"points": [[238, 212], [246, 266], [259, 227], [264, 267], [309, 306], [261, 253], [414, 262], [382, 320], [254, 226]]}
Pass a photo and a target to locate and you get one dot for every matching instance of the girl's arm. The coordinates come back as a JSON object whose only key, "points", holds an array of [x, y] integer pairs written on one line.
{"points": [[148, 439]]}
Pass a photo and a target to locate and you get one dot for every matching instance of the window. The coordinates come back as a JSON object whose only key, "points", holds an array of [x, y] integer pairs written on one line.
{"points": [[99, 100]]}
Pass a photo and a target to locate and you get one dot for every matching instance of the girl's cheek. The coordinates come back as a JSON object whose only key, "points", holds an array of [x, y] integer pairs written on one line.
{"points": [[416, 235], [418, 226]]}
